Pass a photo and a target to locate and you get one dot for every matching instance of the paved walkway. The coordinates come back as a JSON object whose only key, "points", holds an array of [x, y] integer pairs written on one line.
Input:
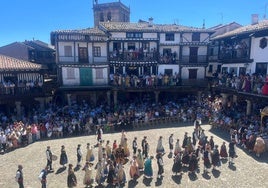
{"points": [[248, 171]]}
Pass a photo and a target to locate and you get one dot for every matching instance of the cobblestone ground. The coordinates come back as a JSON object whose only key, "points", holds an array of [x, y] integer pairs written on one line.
{"points": [[248, 171]]}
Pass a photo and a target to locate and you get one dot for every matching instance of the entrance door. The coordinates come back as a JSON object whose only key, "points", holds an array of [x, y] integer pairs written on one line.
{"points": [[192, 73]]}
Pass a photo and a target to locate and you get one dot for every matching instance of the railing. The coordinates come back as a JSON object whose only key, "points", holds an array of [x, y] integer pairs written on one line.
{"points": [[20, 90], [133, 56], [194, 59]]}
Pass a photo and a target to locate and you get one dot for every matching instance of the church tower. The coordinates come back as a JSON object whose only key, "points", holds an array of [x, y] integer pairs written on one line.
{"points": [[113, 12]]}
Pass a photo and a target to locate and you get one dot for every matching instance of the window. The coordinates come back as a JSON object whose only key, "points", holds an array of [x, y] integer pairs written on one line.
{"points": [[68, 51], [263, 43], [170, 37], [97, 51], [134, 35], [70, 75], [196, 37], [131, 46], [83, 54], [99, 73]]}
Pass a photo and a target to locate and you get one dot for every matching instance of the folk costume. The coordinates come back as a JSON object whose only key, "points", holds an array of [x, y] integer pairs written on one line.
{"points": [[159, 147], [108, 149], [79, 155], [63, 156], [223, 151], [177, 165], [171, 144], [90, 155], [49, 158], [160, 164], [140, 160], [177, 147], [143, 145], [88, 177], [206, 158], [134, 171], [111, 178], [71, 178], [126, 150], [259, 146], [215, 158], [193, 163], [148, 170], [121, 175], [185, 140], [232, 152], [120, 155], [19, 176], [134, 145]]}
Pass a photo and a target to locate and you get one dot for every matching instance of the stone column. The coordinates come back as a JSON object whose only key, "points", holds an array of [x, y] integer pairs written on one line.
{"points": [[156, 93], [199, 97], [249, 105], [224, 99], [234, 99], [18, 108], [115, 98], [108, 97], [41, 103], [94, 98], [69, 99]]}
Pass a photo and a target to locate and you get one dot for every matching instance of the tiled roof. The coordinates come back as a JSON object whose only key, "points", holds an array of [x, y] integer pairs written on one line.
{"points": [[91, 31], [12, 64], [146, 27], [262, 25]]}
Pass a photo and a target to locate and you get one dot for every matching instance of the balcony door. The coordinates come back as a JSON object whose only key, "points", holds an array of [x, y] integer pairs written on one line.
{"points": [[193, 55], [83, 55], [192, 73]]}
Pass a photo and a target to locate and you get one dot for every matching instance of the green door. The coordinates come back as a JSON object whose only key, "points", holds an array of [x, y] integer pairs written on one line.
{"points": [[86, 77]]}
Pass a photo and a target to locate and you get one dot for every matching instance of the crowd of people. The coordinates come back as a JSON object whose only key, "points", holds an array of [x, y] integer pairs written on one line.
{"points": [[255, 83]]}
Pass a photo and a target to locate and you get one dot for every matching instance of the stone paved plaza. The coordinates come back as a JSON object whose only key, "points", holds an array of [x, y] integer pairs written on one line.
{"points": [[248, 171]]}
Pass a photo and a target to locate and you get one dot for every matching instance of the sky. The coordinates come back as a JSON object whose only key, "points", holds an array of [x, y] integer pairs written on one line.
{"points": [[22, 20]]}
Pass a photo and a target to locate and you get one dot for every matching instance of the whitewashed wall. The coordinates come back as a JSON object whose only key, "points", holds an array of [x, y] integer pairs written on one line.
{"points": [[161, 68], [200, 72]]}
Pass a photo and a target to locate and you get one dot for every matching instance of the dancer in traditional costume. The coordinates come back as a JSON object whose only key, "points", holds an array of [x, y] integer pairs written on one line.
{"points": [[111, 178], [121, 175], [185, 140], [232, 152], [171, 144], [90, 155], [148, 170], [126, 150], [134, 171], [160, 164], [108, 149], [71, 178], [185, 157], [88, 178], [100, 177], [120, 155], [177, 165], [223, 151], [207, 159], [123, 137], [193, 163], [215, 157], [159, 147], [114, 145], [140, 160], [79, 154], [177, 147], [134, 146], [63, 156], [49, 159], [143, 144], [100, 151]]}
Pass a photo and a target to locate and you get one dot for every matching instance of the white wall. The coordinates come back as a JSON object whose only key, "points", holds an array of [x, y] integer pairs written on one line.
{"points": [[161, 68]]}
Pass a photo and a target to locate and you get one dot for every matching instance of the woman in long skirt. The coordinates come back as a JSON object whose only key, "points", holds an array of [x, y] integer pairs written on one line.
{"points": [[121, 175], [185, 157], [140, 160], [215, 158], [160, 148], [126, 150], [90, 155], [99, 178], [223, 151], [88, 178], [134, 168], [206, 158], [71, 178], [177, 147], [232, 153], [148, 170], [193, 163], [63, 156], [111, 178], [177, 166]]}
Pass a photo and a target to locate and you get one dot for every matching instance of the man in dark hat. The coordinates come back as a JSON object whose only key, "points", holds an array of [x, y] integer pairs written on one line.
{"points": [[160, 164], [49, 158], [134, 146]]}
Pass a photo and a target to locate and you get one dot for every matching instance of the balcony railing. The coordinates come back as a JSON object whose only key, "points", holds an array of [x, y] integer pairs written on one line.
{"points": [[194, 59], [234, 54], [133, 56]]}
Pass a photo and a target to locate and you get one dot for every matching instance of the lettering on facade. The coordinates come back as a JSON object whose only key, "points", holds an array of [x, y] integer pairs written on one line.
{"points": [[76, 37]]}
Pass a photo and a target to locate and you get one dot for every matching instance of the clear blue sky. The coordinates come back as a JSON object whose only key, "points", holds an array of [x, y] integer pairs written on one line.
{"points": [[27, 19]]}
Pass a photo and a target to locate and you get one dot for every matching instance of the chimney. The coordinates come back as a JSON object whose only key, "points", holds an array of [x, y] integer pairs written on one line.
{"points": [[254, 19], [150, 22]]}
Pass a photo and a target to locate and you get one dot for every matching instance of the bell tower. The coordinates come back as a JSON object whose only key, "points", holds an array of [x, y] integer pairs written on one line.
{"points": [[110, 12]]}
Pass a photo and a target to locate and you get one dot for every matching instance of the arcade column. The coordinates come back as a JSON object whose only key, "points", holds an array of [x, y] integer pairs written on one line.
{"points": [[108, 93], [115, 98], [18, 108], [234, 99], [224, 99], [69, 99], [156, 93], [199, 98], [249, 106]]}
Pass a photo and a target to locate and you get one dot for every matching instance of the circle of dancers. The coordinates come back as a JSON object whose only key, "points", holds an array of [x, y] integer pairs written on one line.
{"points": [[196, 153]]}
